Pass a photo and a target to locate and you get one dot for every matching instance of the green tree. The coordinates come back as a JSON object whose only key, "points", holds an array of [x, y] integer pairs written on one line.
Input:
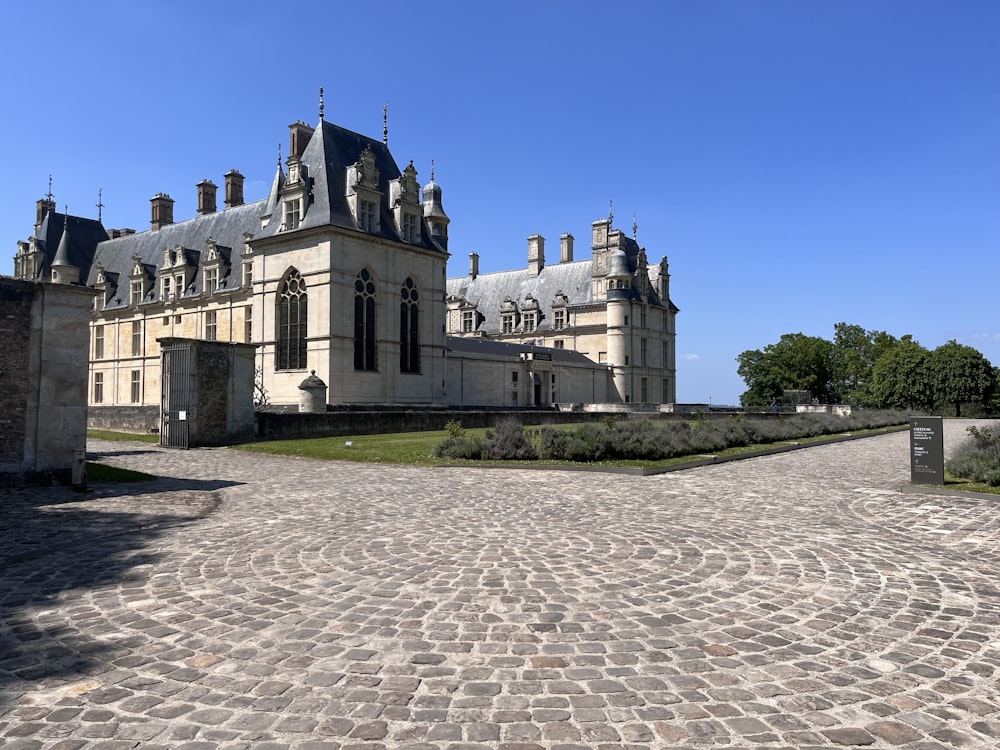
{"points": [[960, 374], [901, 377], [796, 362], [855, 352]]}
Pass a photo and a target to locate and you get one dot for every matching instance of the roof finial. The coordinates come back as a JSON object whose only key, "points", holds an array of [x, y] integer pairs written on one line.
{"points": [[279, 155], [48, 195], [100, 203], [635, 228], [385, 124], [432, 170], [611, 212], [321, 104]]}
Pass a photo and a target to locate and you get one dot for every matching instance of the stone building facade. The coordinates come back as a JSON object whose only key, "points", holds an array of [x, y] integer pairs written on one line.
{"points": [[613, 308], [341, 270]]}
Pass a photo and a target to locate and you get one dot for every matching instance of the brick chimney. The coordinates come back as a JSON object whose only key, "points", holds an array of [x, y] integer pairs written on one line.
{"points": [[162, 211], [536, 254], [300, 133], [566, 248], [234, 188], [206, 197], [43, 208], [473, 265]]}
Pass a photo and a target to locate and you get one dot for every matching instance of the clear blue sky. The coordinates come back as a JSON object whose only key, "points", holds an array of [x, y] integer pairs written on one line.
{"points": [[800, 162]]}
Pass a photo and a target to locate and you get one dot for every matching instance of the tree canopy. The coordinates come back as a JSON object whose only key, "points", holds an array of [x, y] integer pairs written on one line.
{"points": [[868, 368]]}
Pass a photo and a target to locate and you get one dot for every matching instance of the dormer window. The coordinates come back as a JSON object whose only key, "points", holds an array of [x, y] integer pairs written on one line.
{"points": [[167, 291], [558, 319], [211, 280], [507, 322], [530, 321], [366, 215], [410, 228], [136, 293], [293, 214]]}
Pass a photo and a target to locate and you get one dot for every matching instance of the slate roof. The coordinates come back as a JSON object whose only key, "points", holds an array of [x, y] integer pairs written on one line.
{"points": [[329, 153], [226, 228], [84, 235], [488, 291]]}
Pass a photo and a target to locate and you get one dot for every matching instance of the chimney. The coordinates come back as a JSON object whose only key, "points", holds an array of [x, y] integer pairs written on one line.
{"points": [[566, 248], [162, 211], [473, 265], [300, 134], [536, 254], [43, 208], [234, 188], [206, 197]]}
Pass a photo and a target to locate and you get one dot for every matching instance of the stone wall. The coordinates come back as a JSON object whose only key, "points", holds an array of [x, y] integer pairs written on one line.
{"points": [[45, 343], [144, 419]]}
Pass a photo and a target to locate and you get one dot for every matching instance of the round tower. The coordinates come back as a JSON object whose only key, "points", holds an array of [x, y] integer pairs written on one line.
{"points": [[619, 294], [64, 271]]}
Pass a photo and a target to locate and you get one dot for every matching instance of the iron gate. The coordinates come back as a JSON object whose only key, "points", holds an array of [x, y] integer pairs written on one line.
{"points": [[175, 396]]}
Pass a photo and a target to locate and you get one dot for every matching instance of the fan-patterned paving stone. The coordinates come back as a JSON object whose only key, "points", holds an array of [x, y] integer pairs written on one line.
{"points": [[797, 600]]}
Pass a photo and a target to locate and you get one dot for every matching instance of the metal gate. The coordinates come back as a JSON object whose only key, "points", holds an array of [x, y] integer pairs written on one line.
{"points": [[175, 396]]}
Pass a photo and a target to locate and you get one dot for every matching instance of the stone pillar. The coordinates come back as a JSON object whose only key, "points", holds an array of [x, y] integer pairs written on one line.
{"points": [[312, 395]]}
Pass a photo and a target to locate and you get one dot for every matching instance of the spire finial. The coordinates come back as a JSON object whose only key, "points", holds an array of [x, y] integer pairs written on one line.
{"points": [[635, 228], [100, 203], [279, 156], [48, 195], [385, 124], [432, 170], [321, 104], [611, 212]]}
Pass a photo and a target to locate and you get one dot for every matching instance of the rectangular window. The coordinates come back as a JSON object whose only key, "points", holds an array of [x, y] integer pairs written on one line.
{"points": [[248, 273], [292, 214], [513, 376], [136, 293], [136, 338], [643, 390], [98, 342], [178, 286], [211, 324], [642, 317], [602, 356], [513, 398], [529, 322], [665, 354], [248, 324], [98, 387], [167, 291], [366, 215], [559, 344], [626, 320], [177, 319], [166, 320], [211, 280], [663, 320], [558, 319], [642, 353], [508, 322], [468, 321], [136, 387], [665, 395], [409, 228]]}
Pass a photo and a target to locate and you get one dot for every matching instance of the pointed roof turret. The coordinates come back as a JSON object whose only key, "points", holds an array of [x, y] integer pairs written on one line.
{"points": [[64, 270]]}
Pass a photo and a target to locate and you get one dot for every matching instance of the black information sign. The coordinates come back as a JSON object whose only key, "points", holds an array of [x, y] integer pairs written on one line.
{"points": [[926, 450]]}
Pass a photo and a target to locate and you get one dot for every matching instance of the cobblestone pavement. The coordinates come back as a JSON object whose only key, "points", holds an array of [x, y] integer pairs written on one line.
{"points": [[244, 601]]}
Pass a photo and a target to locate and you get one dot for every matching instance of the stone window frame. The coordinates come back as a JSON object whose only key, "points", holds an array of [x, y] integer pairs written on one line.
{"points": [[137, 338], [291, 322], [98, 387], [211, 325], [409, 327], [135, 386], [99, 341], [366, 321]]}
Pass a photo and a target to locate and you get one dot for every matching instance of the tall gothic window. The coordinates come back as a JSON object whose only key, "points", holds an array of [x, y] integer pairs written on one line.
{"points": [[409, 328], [292, 323], [364, 322]]}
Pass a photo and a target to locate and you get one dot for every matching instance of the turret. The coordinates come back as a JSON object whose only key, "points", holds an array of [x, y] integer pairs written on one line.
{"points": [[64, 271], [437, 220]]}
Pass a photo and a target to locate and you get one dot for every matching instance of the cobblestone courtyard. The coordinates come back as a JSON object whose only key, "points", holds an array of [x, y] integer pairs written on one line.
{"points": [[245, 601]]}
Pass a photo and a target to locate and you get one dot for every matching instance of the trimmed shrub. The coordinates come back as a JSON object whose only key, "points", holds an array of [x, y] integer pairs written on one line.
{"points": [[461, 446], [509, 442], [978, 458]]}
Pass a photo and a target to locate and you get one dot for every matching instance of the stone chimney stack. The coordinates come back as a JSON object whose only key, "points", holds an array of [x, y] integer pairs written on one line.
{"points": [[536, 254], [566, 248], [299, 134], [473, 265], [43, 208], [234, 188], [162, 211], [206, 197]]}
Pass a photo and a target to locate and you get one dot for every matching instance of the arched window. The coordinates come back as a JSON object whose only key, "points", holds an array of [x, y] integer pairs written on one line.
{"points": [[364, 322], [292, 323], [409, 328]]}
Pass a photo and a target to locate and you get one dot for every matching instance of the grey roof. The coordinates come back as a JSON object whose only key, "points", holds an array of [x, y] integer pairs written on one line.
{"points": [[226, 228], [84, 235], [473, 345], [330, 152]]}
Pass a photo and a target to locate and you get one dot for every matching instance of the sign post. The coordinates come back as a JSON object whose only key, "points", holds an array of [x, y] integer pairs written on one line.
{"points": [[927, 450]]}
